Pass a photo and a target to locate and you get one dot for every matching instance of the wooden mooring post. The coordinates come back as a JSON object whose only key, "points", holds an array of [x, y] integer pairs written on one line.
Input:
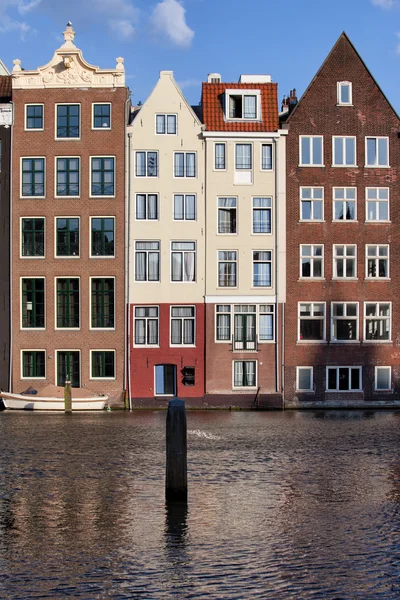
{"points": [[176, 442], [67, 397]]}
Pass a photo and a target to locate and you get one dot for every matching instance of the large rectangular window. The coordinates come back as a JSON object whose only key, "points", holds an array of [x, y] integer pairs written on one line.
{"points": [[377, 261], [67, 176], [344, 204], [343, 379], [383, 379], [304, 379], [68, 367], [102, 243], [33, 307], [103, 303], [184, 207], [344, 262], [312, 260], [67, 303], [146, 164], [185, 164], [34, 116], [377, 200], [103, 364], [243, 156], [220, 156], [33, 364], [377, 321], [244, 373], [344, 326], [311, 321], [242, 106], [183, 325], [165, 380], [227, 215], [102, 176], [183, 261], [311, 151], [266, 157], [101, 116], [147, 325], [146, 207], [262, 218], [344, 151], [32, 234], [311, 203], [147, 261], [166, 124], [33, 177], [67, 236], [246, 325], [262, 268], [376, 152], [227, 268], [68, 121]]}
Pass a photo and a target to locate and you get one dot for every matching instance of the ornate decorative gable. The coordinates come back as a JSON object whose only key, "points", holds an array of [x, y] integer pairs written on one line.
{"points": [[68, 68]]}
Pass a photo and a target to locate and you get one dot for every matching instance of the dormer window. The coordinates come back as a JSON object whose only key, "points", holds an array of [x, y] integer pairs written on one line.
{"points": [[242, 105], [344, 93]]}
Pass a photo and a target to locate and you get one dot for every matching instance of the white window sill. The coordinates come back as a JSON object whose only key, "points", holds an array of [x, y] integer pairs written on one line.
{"points": [[317, 166], [377, 279], [312, 221], [344, 278], [346, 342]]}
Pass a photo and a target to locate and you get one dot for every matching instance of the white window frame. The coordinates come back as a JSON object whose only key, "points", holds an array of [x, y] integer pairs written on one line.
{"points": [[236, 262], [44, 177], [194, 319], [90, 303], [68, 139], [101, 128], [341, 84], [166, 115], [377, 202], [312, 259], [72, 256], [344, 201], [298, 388], [108, 256], [147, 194], [345, 318], [377, 317], [140, 281], [184, 208], [389, 388], [91, 364], [344, 164], [216, 168], [243, 92], [312, 200], [235, 198], [242, 387], [26, 116], [336, 390], [313, 318], [20, 304], [266, 261], [22, 363], [311, 164], [377, 258], [185, 176], [266, 208], [183, 252], [78, 158], [377, 165], [345, 258], [244, 169], [91, 157], [21, 240], [146, 176], [259, 313], [146, 345], [80, 303], [262, 168]]}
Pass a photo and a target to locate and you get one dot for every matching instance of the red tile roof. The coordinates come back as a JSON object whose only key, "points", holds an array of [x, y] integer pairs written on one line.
{"points": [[213, 112], [5, 88]]}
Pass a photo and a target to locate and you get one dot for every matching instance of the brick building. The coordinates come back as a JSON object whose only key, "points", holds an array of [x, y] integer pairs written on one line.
{"points": [[343, 199], [68, 253]]}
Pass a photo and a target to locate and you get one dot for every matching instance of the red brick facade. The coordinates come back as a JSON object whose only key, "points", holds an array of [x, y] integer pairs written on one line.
{"points": [[319, 114]]}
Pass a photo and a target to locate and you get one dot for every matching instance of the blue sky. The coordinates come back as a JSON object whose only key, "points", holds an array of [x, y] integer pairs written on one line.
{"points": [[287, 39]]}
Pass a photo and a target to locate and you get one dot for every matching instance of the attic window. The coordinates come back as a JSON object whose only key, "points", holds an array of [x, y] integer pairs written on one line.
{"points": [[344, 93], [243, 106]]}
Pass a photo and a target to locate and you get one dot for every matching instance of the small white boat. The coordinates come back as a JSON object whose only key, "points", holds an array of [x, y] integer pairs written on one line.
{"points": [[52, 398]]}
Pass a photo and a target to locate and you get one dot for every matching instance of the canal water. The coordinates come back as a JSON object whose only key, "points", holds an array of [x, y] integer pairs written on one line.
{"points": [[281, 505]]}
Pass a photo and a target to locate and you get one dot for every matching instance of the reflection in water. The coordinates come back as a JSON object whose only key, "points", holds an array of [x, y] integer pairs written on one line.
{"points": [[281, 505]]}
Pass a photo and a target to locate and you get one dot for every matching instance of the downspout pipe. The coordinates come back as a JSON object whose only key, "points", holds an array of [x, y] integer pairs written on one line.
{"points": [[127, 273], [277, 369], [10, 257]]}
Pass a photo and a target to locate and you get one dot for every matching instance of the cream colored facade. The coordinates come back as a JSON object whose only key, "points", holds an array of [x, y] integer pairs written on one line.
{"points": [[166, 100]]}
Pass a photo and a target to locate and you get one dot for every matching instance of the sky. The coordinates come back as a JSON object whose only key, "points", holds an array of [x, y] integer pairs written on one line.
{"points": [[287, 39]]}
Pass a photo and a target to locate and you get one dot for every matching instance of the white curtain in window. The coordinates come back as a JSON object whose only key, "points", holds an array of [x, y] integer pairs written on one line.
{"points": [[140, 206], [179, 164], [190, 164], [190, 202], [176, 266], [171, 124], [152, 206], [152, 325], [189, 267], [266, 327], [178, 207], [238, 373], [140, 331], [250, 110], [153, 266], [176, 331], [141, 163], [140, 266], [223, 327], [188, 331], [267, 156], [220, 156], [160, 123]]}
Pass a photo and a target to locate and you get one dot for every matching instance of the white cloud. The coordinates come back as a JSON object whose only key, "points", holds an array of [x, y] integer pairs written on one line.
{"points": [[189, 83], [9, 24], [384, 3], [168, 18], [25, 8], [122, 28]]}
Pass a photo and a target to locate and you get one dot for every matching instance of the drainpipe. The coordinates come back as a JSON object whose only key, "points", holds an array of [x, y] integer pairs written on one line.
{"points": [[276, 269], [127, 276], [10, 258]]}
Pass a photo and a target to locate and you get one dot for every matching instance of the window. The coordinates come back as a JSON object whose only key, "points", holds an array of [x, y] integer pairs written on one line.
{"points": [[266, 157], [146, 164], [185, 164], [304, 379], [166, 124], [227, 215], [32, 231], [147, 261], [377, 258], [311, 321], [240, 105], [68, 116], [146, 325], [344, 204], [311, 151], [68, 366], [34, 116], [244, 330], [344, 322], [311, 204], [244, 373], [343, 379], [262, 219], [101, 116], [223, 322], [33, 364], [220, 156], [227, 268], [102, 236], [344, 151], [102, 176], [266, 320], [344, 93], [243, 158], [377, 152], [312, 261], [67, 303], [184, 207], [383, 379], [67, 236], [262, 268], [183, 321], [67, 177], [33, 177], [165, 380], [146, 207], [33, 310], [245, 324], [377, 204], [183, 261], [188, 376], [344, 262], [377, 321], [103, 310], [103, 364]]}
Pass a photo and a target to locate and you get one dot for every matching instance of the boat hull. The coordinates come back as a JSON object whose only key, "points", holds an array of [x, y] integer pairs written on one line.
{"points": [[17, 402]]}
